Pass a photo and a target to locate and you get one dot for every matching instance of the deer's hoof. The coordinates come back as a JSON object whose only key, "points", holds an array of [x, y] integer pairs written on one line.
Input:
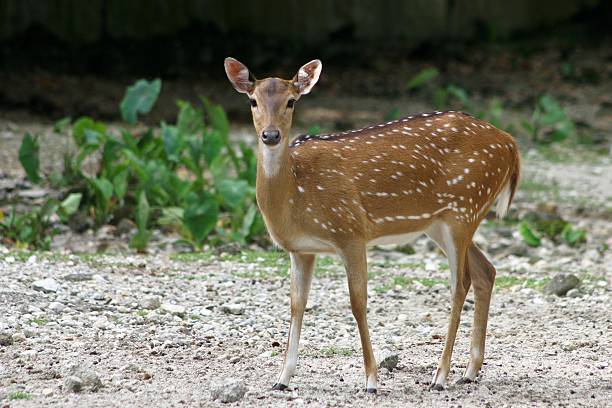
{"points": [[279, 387], [464, 380], [436, 387], [371, 390]]}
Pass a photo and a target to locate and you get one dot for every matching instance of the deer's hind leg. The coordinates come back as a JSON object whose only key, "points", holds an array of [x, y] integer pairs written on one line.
{"points": [[482, 273], [455, 244]]}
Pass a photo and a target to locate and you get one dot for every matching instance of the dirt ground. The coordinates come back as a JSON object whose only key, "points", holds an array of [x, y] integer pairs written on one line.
{"points": [[166, 329]]}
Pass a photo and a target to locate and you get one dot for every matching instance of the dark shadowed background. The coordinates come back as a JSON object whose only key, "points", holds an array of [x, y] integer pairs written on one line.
{"points": [[70, 57]]}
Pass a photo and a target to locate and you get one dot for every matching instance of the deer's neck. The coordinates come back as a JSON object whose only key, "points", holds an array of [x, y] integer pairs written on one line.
{"points": [[274, 180]]}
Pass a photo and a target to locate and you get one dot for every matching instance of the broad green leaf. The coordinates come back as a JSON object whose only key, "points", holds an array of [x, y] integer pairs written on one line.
{"points": [[172, 142], [171, 217], [120, 183], [142, 211], [528, 235], [70, 204], [103, 187], [573, 236], [190, 120], [233, 192], [422, 77], [211, 146], [60, 125], [28, 157], [200, 215], [86, 130], [218, 119], [139, 99]]}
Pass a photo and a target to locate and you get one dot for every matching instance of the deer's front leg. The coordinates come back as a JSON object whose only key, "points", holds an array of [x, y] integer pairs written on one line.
{"points": [[301, 278], [355, 261]]}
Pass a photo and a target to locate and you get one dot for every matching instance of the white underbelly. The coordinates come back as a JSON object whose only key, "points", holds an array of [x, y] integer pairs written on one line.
{"points": [[397, 239]]}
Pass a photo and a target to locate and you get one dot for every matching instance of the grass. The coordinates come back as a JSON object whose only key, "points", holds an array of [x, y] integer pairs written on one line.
{"points": [[508, 281], [402, 282], [142, 313], [37, 321], [336, 351], [19, 395]]}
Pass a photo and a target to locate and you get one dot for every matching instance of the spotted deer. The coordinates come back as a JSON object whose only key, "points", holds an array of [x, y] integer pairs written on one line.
{"points": [[434, 173]]}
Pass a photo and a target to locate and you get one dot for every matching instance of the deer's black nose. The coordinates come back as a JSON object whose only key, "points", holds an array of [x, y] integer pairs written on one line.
{"points": [[270, 137]]}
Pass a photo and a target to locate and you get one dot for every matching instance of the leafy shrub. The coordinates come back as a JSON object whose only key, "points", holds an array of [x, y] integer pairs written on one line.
{"points": [[184, 176], [549, 122], [533, 229]]}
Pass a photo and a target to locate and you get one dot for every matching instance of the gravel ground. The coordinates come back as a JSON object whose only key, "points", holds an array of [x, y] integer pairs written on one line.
{"points": [[166, 330], [170, 329]]}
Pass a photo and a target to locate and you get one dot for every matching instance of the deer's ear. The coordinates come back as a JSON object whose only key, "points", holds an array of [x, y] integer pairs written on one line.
{"points": [[239, 75], [307, 77]]}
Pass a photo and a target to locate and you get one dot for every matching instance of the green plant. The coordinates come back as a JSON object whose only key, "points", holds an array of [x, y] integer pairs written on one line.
{"points": [[423, 77], [184, 176], [528, 235], [35, 227], [19, 395], [573, 237], [549, 122]]}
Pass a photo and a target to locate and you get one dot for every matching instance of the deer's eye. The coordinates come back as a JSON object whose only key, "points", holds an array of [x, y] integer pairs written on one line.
{"points": [[253, 102], [290, 103]]}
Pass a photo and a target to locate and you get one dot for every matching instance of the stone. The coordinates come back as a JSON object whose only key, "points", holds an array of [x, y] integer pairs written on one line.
{"points": [[47, 392], [150, 302], [573, 293], [5, 339], [73, 384], [173, 309], [56, 307], [232, 308], [18, 337], [387, 359], [48, 285], [101, 323], [562, 283], [78, 277], [230, 390]]}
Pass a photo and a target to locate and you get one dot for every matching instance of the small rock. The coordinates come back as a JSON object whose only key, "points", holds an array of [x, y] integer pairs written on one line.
{"points": [[56, 307], [230, 390], [439, 287], [101, 323], [146, 376], [562, 283], [233, 308], [5, 339], [82, 378], [150, 302], [18, 337], [78, 277], [48, 285], [47, 392], [387, 359], [173, 309], [73, 384], [574, 293]]}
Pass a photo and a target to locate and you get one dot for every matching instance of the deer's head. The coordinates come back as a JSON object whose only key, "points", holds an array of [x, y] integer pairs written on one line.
{"points": [[272, 99]]}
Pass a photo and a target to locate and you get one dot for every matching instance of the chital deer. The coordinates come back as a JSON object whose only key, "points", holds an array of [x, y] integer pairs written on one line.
{"points": [[434, 173]]}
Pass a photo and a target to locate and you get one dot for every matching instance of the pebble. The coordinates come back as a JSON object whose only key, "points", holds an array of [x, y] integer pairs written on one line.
{"points": [[562, 283], [150, 302], [73, 384], [387, 359], [230, 390], [48, 285], [101, 323], [18, 337], [574, 293], [47, 392], [56, 307], [233, 308], [173, 309]]}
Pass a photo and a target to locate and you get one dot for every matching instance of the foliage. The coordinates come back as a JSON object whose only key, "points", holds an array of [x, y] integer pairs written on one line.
{"points": [[534, 228], [36, 227], [184, 176], [549, 122], [28, 157], [423, 77]]}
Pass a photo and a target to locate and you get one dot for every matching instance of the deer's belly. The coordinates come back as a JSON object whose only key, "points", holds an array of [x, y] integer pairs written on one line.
{"points": [[396, 239]]}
